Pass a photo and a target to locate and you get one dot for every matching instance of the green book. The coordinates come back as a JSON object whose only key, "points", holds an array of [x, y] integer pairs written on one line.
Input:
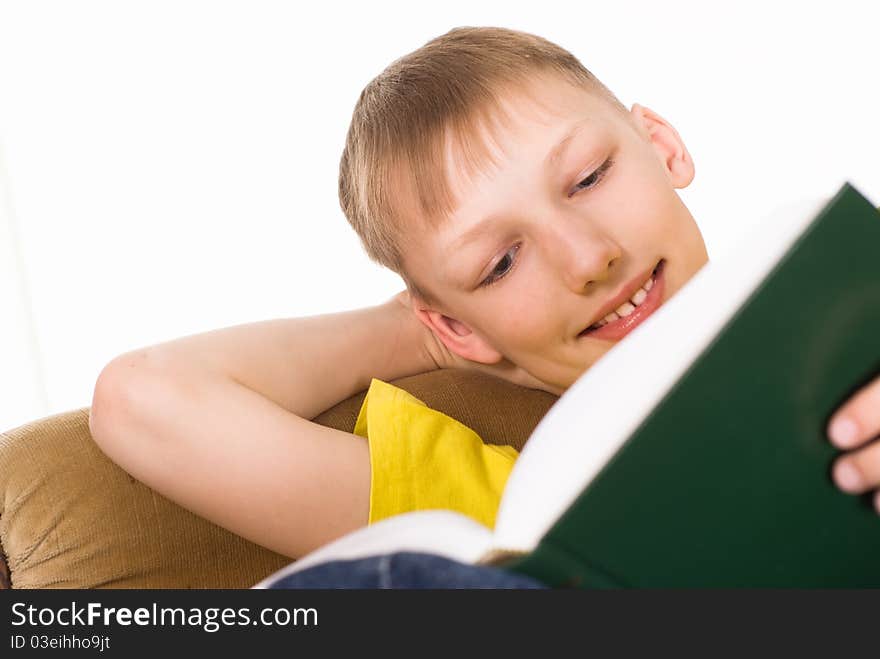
{"points": [[694, 454], [726, 482]]}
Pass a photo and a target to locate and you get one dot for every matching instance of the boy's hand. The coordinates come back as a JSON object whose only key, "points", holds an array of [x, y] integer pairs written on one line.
{"points": [[442, 357], [854, 427]]}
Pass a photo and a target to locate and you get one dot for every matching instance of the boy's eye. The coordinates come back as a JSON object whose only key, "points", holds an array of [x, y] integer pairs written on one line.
{"points": [[593, 179], [502, 268], [508, 261]]}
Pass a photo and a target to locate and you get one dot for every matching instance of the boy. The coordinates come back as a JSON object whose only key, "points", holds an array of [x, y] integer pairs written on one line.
{"points": [[535, 222]]}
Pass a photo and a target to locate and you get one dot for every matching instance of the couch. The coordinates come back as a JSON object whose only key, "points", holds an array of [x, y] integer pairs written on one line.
{"points": [[71, 518]]}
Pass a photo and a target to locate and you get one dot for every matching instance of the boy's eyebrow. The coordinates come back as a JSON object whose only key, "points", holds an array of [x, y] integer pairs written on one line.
{"points": [[549, 160], [559, 149]]}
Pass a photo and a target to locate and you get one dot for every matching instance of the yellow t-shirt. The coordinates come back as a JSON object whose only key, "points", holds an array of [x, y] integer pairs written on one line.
{"points": [[422, 459]]}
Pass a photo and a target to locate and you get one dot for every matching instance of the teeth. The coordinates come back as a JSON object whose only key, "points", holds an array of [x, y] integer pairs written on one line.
{"points": [[628, 307], [610, 318], [625, 309]]}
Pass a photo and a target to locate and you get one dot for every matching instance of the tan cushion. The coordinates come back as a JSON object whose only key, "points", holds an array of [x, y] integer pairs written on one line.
{"points": [[71, 518]]}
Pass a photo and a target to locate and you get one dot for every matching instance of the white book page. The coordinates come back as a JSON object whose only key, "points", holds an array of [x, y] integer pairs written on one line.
{"points": [[596, 415], [441, 532]]}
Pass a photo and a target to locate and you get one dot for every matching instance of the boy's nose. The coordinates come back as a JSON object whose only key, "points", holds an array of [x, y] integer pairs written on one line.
{"points": [[585, 256]]}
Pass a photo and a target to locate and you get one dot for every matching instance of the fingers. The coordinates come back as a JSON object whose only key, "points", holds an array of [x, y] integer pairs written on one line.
{"points": [[852, 426], [858, 420], [858, 471]]}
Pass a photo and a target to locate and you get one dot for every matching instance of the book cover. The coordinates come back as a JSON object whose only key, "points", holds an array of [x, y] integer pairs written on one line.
{"points": [[726, 482]]}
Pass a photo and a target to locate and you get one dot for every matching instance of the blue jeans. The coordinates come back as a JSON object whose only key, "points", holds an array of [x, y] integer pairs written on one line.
{"points": [[404, 570]]}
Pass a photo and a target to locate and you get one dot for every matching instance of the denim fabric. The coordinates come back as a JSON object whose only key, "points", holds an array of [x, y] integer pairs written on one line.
{"points": [[403, 570]]}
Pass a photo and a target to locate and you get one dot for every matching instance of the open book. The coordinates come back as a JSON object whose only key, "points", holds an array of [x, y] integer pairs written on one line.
{"points": [[694, 454]]}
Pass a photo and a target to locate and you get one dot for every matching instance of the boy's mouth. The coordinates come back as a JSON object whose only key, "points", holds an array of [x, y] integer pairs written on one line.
{"points": [[632, 306]]}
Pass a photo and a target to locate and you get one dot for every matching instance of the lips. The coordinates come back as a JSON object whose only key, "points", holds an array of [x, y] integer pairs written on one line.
{"points": [[617, 329]]}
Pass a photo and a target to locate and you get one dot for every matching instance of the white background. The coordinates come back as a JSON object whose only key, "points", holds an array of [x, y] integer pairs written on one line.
{"points": [[169, 167]]}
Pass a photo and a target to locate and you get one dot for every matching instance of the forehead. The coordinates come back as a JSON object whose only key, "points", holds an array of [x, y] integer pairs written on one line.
{"points": [[528, 133], [514, 134], [525, 118]]}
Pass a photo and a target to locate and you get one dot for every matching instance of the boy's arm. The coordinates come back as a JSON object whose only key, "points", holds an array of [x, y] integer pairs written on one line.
{"points": [[305, 365], [218, 421]]}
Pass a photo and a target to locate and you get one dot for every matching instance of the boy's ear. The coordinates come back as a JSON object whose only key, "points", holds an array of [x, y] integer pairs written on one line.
{"points": [[456, 336], [668, 144]]}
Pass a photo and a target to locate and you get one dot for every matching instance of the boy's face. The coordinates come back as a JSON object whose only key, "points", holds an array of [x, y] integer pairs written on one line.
{"points": [[540, 248]]}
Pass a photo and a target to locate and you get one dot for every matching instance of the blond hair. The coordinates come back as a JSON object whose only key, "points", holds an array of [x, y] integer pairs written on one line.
{"points": [[446, 92]]}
